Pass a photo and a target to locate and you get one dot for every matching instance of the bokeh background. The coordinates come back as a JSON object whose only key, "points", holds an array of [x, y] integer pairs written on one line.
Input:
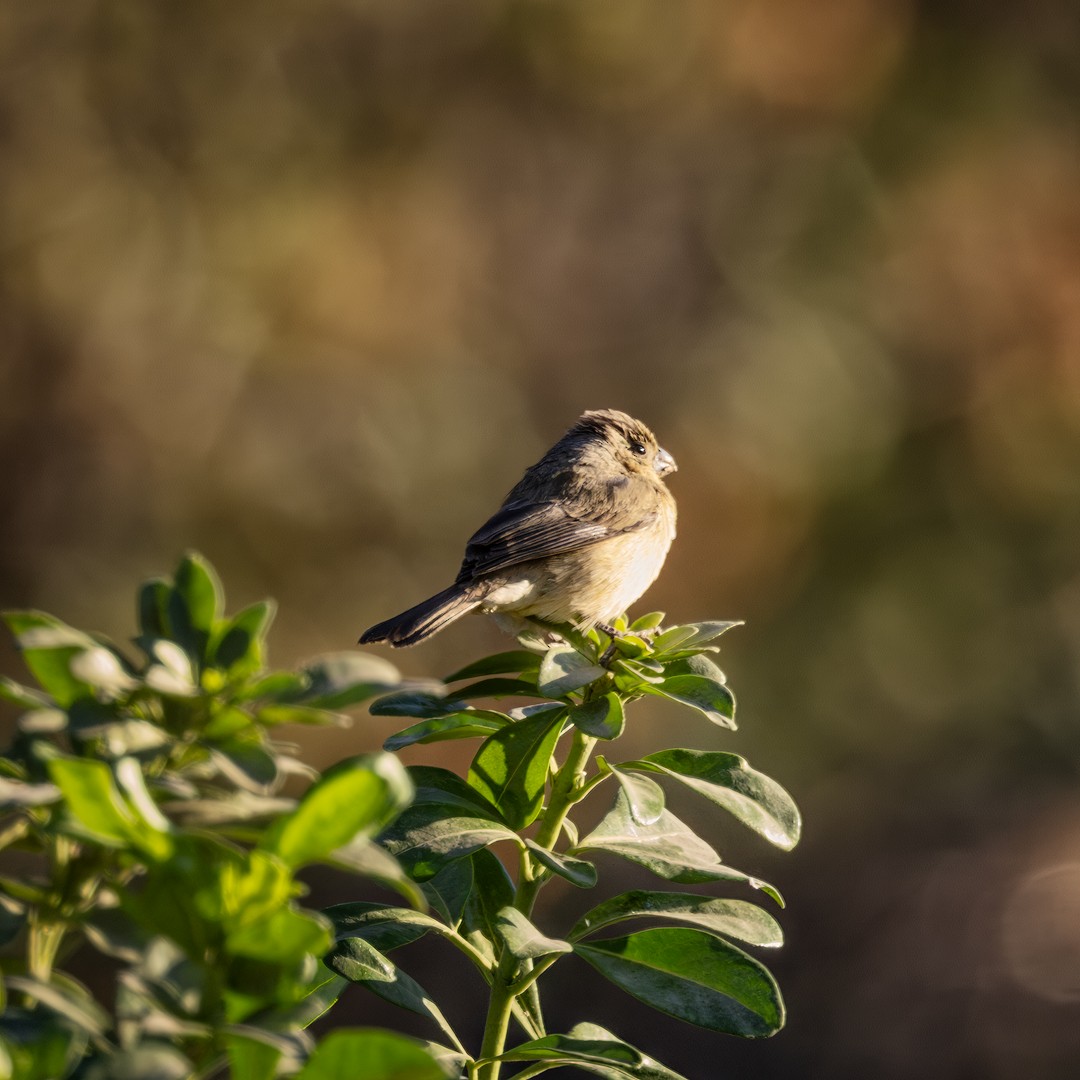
{"points": [[304, 285]]}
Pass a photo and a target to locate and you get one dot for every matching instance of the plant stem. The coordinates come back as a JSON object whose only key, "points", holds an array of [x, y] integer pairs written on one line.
{"points": [[566, 789], [44, 936]]}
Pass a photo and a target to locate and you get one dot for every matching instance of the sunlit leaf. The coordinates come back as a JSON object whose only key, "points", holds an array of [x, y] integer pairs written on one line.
{"points": [[511, 767], [341, 679], [602, 718], [385, 927], [360, 962], [727, 780], [523, 939], [732, 918], [349, 1054], [499, 664], [706, 695], [48, 647], [594, 1050], [284, 936], [16, 793], [241, 647], [694, 976], [468, 724], [358, 796], [578, 872], [101, 811], [645, 799], [72, 1001], [564, 670], [668, 847], [418, 703]]}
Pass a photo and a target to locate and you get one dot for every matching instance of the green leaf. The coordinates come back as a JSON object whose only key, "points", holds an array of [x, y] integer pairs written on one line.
{"points": [[43, 722], [150, 1060], [195, 604], [453, 1063], [634, 673], [691, 635], [246, 762], [129, 776], [694, 664], [48, 646], [367, 858], [153, 604], [357, 797], [352, 1054], [428, 836], [241, 647], [12, 919], [578, 872], [419, 703], [446, 821], [198, 585], [645, 800], [38, 1044], [251, 1058], [693, 976], [284, 686], [236, 808], [385, 927], [595, 1050], [285, 713], [101, 668], [732, 918], [322, 992], [601, 718], [467, 724], [341, 679], [171, 672], [499, 664], [23, 696], [497, 688], [727, 780], [706, 695], [101, 811], [668, 847], [564, 670], [360, 962], [492, 891], [649, 621], [511, 767], [72, 1001], [16, 793], [448, 891], [285, 936], [523, 939]]}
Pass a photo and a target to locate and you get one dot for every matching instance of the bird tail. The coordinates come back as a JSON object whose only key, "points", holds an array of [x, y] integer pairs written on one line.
{"points": [[423, 620]]}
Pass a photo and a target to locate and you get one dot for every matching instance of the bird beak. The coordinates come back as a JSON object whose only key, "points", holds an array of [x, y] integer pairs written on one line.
{"points": [[664, 463]]}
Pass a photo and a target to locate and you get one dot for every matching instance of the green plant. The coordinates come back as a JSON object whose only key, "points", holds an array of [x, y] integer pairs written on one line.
{"points": [[143, 802], [142, 809], [519, 790]]}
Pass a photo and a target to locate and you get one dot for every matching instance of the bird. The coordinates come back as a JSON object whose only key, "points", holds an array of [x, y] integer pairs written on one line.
{"points": [[578, 539]]}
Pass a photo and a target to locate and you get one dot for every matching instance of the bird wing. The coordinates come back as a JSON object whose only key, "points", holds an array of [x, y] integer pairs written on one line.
{"points": [[522, 531]]}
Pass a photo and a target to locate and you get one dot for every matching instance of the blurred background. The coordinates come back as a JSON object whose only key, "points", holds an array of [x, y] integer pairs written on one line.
{"points": [[305, 285]]}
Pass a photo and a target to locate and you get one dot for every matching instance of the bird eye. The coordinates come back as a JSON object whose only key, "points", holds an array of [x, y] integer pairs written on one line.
{"points": [[638, 448]]}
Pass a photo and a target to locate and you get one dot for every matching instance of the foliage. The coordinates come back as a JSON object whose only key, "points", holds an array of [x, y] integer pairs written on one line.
{"points": [[142, 800], [534, 765], [147, 796]]}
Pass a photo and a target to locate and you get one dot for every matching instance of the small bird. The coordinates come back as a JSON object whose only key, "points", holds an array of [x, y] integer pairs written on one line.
{"points": [[582, 535]]}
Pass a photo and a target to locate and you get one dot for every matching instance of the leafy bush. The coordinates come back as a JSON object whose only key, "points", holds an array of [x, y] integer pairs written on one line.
{"points": [[143, 800]]}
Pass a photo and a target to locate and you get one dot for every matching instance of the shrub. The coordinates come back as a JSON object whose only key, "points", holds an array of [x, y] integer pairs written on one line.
{"points": [[143, 800]]}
